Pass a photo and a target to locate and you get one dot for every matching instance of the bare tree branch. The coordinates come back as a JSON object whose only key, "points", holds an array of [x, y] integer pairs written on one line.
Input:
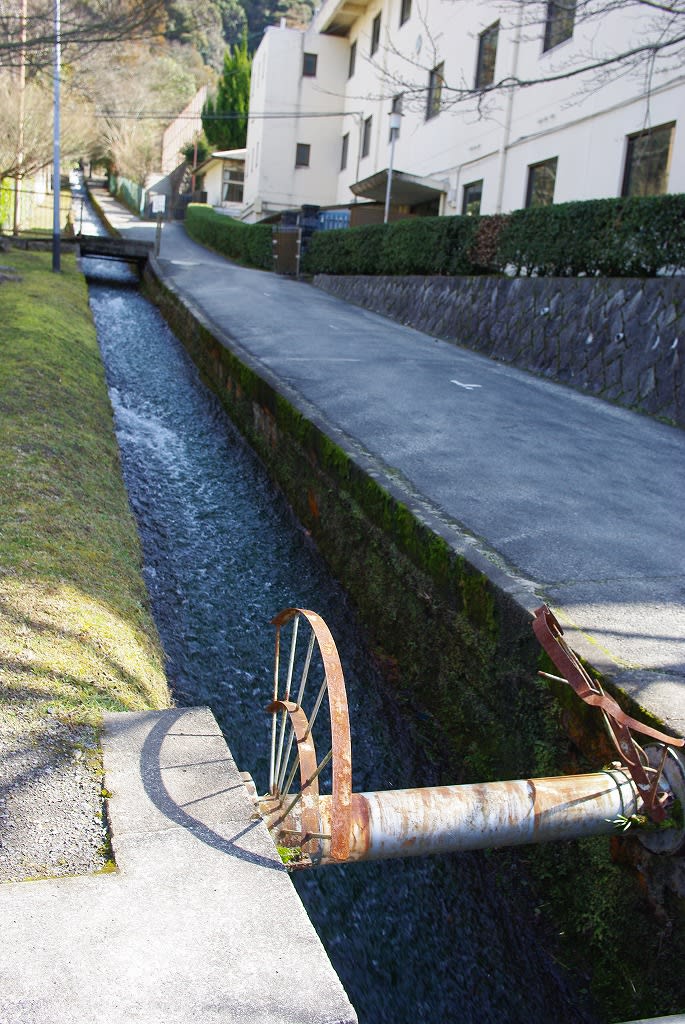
{"points": [[659, 46], [84, 25]]}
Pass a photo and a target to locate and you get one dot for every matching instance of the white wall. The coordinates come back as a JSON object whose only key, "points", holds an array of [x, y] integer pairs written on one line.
{"points": [[212, 180], [278, 87], [585, 127], [182, 131]]}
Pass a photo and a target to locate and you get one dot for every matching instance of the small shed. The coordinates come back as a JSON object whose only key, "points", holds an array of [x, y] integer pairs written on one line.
{"points": [[221, 176]]}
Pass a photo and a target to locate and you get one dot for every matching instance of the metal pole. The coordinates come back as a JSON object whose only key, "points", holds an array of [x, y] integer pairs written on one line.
{"points": [[445, 819], [395, 120], [506, 131], [22, 113], [56, 143]]}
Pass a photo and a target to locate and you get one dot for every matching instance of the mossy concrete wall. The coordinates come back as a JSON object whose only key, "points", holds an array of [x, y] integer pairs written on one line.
{"points": [[453, 637], [619, 339], [452, 633]]}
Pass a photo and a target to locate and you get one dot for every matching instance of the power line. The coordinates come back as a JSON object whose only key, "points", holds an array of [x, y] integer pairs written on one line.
{"points": [[126, 115]]}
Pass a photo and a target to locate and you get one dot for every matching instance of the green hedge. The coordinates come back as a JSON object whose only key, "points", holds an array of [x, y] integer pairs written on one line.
{"points": [[634, 237], [424, 245], [246, 243]]}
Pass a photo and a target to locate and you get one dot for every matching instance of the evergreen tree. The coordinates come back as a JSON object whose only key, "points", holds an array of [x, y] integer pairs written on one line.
{"points": [[224, 118], [233, 19]]}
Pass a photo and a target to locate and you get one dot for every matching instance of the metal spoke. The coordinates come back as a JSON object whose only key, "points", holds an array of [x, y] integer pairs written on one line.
{"points": [[305, 669], [317, 705], [291, 735], [284, 790], [272, 759], [286, 696]]}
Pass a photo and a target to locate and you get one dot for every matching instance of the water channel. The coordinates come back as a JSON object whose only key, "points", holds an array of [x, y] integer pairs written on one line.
{"points": [[416, 940]]}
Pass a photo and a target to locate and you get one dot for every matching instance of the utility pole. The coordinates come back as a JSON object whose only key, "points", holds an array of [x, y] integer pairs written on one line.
{"points": [[19, 173], [56, 143]]}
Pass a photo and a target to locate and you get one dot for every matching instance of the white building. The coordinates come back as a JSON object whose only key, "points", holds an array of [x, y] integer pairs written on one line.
{"points": [[221, 178], [321, 98]]}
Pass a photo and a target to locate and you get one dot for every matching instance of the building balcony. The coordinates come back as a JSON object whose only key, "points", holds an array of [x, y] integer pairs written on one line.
{"points": [[336, 17]]}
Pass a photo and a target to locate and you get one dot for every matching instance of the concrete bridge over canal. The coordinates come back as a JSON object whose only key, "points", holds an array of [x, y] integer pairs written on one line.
{"points": [[109, 247]]}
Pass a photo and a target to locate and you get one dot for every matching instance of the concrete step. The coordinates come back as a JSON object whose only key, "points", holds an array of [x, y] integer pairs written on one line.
{"points": [[200, 922]]}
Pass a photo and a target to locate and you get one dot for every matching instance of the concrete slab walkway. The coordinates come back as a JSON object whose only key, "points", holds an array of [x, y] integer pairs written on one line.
{"points": [[199, 923], [556, 495]]}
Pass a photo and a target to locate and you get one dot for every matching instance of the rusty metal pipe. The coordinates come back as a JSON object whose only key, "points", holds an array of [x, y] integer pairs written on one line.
{"points": [[413, 822]]}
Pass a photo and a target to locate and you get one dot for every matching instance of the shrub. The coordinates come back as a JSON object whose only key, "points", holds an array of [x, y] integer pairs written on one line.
{"points": [[627, 237], [421, 245], [485, 244], [245, 243], [429, 245]]}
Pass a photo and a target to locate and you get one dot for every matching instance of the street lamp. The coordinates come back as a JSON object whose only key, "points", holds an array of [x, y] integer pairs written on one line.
{"points": [[395, 121]]}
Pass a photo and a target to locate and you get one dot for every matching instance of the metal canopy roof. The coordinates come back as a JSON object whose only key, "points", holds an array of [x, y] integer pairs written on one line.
{"points": [[406, 188]]}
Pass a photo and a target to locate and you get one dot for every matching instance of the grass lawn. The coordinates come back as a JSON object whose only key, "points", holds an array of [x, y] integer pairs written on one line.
{"points": [[76, 633]]}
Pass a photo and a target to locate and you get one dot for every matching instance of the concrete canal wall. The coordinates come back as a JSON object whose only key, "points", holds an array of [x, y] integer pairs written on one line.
{"points": [[622, 340], [399, 563], [452, 633]]}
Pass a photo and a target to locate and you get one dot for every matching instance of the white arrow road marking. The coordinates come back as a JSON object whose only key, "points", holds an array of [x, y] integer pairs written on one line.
{"points": [[467, 387]]}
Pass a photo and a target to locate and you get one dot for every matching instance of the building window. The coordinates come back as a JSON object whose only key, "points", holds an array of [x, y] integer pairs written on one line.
{"points": [[232, 186], [353, 59], [435, 84], [344, 151], [375, 33], [302, 152], [309, 65], [395, 108], [647, 160], [366, 137], [487, 55], [405, 11], [561, 15], [541, 179], [473, 193]]}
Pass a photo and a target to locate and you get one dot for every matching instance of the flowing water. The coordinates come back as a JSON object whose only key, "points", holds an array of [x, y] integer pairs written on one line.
{"points": [[417, 940]]}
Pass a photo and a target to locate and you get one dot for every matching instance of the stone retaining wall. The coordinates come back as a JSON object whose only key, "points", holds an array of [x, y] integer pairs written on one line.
{"points": [[618, 339]]}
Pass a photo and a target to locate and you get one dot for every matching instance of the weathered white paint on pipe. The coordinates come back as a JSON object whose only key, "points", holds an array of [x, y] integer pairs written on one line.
{"points": [[413, 822]]}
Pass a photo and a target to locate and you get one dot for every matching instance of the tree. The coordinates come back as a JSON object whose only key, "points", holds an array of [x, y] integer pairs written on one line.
{"points": [[297, 13], [20, 157], [259, 15], [224, 118], [233, 20], [118, 94], [131, 95], [198, 25], [196, 152], [84, 24]]}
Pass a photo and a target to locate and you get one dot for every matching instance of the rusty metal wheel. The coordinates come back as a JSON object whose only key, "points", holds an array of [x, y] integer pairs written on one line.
{"points": [[308, 696]]}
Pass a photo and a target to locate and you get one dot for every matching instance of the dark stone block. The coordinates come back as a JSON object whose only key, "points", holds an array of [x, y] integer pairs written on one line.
{"points": [[613, 375], [647, 384]]}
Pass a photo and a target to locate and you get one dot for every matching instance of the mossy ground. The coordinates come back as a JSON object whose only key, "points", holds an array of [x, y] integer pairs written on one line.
{"points": [[76, 633]]}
